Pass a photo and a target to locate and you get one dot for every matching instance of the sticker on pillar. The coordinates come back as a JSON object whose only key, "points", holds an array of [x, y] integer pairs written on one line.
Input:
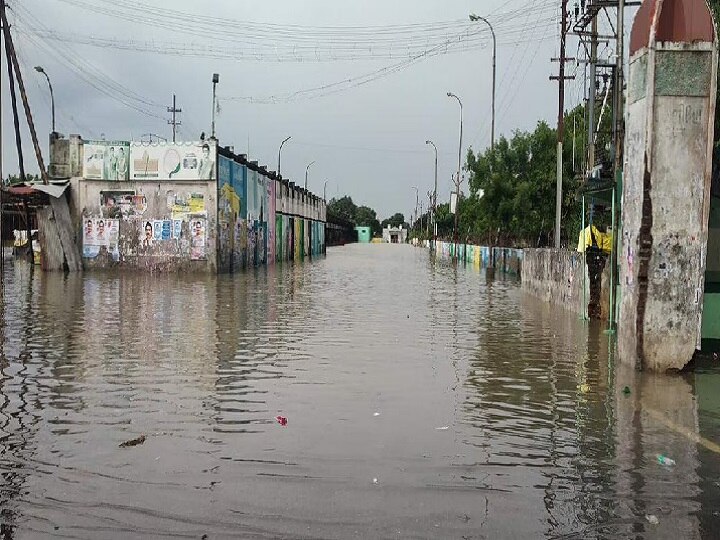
{"points": [[197, 247]]}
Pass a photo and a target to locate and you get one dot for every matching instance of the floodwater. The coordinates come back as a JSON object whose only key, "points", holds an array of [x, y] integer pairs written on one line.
{"points": [[422, 401]]}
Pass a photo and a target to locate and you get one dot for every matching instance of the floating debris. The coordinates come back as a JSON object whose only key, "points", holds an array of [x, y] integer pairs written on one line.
{"points": [[442, 428], [626, 390], [133, 442], [281, 420], [664, 460], [652, 520]]}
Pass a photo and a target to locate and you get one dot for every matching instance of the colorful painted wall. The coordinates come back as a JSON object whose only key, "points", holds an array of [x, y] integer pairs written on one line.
{"points": [[263, 220]]}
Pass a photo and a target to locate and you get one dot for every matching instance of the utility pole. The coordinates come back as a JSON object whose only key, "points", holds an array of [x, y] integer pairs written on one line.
{"points": [[459, 177], [12, 59], [561, 78], [174, 122]]}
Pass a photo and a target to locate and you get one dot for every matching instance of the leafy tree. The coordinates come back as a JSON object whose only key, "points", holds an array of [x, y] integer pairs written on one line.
{"points": [[366, 216], [343, 208], [396, 220]]}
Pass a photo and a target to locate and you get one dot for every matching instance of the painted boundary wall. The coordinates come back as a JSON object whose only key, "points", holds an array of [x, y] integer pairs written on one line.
{"points": [[263, 219], [506, 260], [556, 276]]}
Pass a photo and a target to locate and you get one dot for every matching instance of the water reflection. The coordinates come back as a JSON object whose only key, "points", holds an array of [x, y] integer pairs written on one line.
{"points": [[424, 399]]}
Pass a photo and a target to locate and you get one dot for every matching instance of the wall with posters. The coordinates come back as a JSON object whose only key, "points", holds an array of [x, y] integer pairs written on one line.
{"points": [[169, 226], [189, 207]]}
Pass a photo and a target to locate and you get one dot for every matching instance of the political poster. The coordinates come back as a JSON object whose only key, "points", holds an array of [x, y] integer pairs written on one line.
{"points": [[98, 233], [106, 160], [197, 243], [173, 161]]}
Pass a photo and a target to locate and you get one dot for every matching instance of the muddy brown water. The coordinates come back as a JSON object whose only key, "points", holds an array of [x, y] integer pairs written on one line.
{"points": [[423, 401]]}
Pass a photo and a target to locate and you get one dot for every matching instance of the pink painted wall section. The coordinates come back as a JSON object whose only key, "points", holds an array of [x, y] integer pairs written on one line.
{"points": [[272, 201]]}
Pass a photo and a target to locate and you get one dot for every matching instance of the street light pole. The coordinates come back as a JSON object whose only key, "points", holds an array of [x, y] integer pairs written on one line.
{"points": [[39, 69], [416, 205], [492, 31], [325, 191], [280, 150], [307, 170], [457, 181], [215, 80], [434, 197]]}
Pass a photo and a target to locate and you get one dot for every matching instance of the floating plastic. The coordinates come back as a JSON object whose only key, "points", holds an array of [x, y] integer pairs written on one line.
{"points": [[281, 420], [652, 520], [443, 428], [664, 460]]}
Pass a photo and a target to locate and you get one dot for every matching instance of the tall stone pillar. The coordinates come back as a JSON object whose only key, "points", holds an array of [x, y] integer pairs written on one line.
{"points": [[666, 185]]}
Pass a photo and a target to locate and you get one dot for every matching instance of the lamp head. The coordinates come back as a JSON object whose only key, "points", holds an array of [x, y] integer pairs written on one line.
{"points": [[449, 94], [216, 78], [39, 69], [473, 17]]}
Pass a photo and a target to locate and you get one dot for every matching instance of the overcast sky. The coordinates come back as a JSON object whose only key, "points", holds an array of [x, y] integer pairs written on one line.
{"points": [[368, 141]]}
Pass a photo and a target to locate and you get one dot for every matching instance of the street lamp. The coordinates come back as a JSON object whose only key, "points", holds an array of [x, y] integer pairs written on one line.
{"points": [[475, 18], [307, 170], [39, 69], [215, 81], [457, 181], [434, 198], [280, 150], [325, 191]]}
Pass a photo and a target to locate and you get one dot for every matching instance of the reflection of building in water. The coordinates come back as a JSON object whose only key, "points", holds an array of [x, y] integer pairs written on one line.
{"points": [[658, 417], [259, 337]]}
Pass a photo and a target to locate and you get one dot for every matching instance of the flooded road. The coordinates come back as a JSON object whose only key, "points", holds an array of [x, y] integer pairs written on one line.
{"points": [[423, 401]]}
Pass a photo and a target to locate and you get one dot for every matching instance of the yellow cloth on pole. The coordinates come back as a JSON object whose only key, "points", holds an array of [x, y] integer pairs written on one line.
{"points": [[587, 240]]}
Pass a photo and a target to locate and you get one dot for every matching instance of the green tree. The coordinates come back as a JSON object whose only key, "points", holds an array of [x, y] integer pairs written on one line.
{"points": [[366, 216], [396, 220], [343, 208]]}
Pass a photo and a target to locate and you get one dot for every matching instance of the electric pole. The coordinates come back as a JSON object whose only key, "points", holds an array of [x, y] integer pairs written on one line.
{"points": [[175, 123], [561, 78]]}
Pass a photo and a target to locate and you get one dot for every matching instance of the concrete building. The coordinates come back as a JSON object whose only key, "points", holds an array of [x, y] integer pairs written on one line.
{"points": [[364, 235], [394, 235], [663, 247], [184, 207]]}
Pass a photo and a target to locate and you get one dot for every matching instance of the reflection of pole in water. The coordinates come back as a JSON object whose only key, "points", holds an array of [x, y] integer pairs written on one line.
{"points": [[16, 424]]}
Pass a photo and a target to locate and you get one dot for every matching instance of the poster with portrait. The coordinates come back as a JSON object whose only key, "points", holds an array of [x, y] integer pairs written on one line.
{"points": [[173, 161], [99, 233], [197, 242], [177, 228], [106, 160], [157, 229]]}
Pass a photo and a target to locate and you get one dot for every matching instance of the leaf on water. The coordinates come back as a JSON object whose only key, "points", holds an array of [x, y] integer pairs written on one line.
{"points": [[133, 442]]}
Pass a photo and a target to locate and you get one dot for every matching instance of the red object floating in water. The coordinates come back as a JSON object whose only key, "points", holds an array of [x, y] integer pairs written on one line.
{"points": [[281, 420]]}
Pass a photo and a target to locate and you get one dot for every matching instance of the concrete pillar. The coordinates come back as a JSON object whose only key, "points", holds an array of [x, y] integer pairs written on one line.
{"points": [[666, 184]]}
